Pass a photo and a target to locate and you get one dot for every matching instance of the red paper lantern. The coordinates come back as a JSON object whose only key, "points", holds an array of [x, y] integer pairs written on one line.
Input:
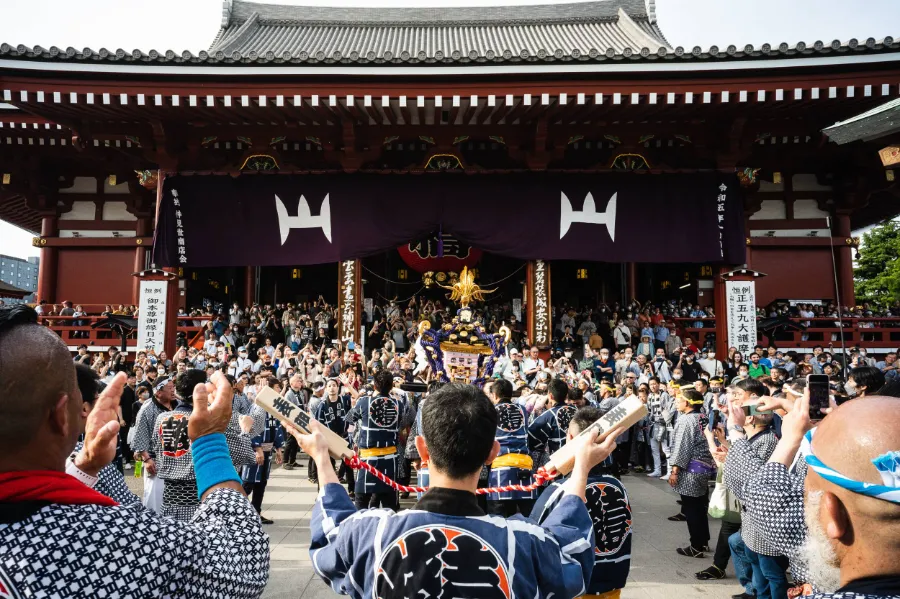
{"points": [[424, 255]]}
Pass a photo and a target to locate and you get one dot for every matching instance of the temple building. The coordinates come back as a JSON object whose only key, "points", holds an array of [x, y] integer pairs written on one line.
{"points": [[309, 139]]}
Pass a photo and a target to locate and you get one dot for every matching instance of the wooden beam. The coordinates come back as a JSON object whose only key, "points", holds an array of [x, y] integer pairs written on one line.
{"points": [[797, 223], [97, 225], [795, 242], [129, 242]]}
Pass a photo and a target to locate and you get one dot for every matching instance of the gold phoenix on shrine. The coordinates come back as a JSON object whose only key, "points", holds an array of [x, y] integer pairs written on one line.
{"points": [[466, 289]]}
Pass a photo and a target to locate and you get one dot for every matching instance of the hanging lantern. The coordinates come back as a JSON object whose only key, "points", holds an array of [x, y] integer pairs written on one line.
{"points": [[438, 252], [402, 274], [581, 274]]}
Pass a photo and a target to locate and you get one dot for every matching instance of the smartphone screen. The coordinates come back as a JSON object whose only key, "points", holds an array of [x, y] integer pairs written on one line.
{"points": [[818, 395]]}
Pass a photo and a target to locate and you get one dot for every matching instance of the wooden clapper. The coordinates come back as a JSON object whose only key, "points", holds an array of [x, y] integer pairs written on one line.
{"points": [[625, 414], [277, 406]]}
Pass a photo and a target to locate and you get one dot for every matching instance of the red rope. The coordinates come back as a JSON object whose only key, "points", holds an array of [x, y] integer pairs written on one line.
{"points": [[540, 478]]}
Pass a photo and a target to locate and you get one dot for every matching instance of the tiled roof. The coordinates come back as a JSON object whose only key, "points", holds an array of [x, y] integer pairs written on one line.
{"points": [[483, 34], [7, 290], [597, 31], [872, 124]]}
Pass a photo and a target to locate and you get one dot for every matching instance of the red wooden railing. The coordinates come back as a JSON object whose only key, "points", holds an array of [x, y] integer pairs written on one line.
{"points": [[76, 330], [865, 332]]}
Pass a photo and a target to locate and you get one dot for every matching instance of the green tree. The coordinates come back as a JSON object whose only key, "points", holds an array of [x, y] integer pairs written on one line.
{"points": [[877, 275]]}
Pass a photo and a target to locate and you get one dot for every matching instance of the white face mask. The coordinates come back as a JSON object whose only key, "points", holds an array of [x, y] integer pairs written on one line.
{"points": [[676, 377], [850, 386], [161, 371], [862, 353], [568, 354]]}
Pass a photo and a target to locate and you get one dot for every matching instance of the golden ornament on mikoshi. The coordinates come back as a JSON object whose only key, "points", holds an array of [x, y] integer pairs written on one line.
{"points": [[465, 289]]}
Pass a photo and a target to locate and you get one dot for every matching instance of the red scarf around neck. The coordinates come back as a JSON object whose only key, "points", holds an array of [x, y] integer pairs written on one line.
{"points": [[49, 486]]}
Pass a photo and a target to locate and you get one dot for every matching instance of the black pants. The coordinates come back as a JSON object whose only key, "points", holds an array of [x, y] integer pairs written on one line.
{"points": [[510, 507], [290, 448], [622, 455], [257, 490], [406, 468], [371, 500], [723, 551], [694, 509]]}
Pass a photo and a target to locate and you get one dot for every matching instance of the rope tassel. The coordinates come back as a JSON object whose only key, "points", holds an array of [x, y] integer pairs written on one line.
{"points": [[541, 477]]}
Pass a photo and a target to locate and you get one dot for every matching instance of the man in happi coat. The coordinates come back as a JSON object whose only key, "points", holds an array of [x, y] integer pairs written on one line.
{"points": [[48, 501], [610, 510], [379, 417], [513, 464], [172, 447], [446, 546], [547, 432], [266, 446], [692, 469], [163, 401]]}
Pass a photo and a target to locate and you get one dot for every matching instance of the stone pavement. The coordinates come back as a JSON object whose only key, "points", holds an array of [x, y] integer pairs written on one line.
{"points": [[657, 572]]}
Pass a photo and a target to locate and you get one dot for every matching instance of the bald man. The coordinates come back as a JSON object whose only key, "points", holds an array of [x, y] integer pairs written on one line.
{"points": [[788, 494], [852, 501], [47, 500]]}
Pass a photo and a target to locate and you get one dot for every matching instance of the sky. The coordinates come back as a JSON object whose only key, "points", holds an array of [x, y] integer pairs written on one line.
{"points": [[192, 24]]}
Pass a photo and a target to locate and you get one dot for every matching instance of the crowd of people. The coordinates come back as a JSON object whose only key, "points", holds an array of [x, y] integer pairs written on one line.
{"points": [[731, 435]]}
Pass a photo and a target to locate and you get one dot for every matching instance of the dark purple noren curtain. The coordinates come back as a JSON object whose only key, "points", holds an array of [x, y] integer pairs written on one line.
{"points": [[314, 219]]}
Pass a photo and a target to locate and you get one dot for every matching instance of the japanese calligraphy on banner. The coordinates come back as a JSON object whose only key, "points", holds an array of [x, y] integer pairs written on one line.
{"points": [[152, 315], [179, 228], [517, 308], [721, 201], [539, 317], [349, 300], [299, 219], [740, 298]]}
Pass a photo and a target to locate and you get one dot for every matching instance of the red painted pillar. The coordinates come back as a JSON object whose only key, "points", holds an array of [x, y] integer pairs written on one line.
{"points": [[844, 258], [630, 281], [47, 270], [250, 285]]}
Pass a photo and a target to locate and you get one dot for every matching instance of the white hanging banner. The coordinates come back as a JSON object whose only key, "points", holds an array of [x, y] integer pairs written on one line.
{"points": [[152, 316], [517, 308], [740, 300]]}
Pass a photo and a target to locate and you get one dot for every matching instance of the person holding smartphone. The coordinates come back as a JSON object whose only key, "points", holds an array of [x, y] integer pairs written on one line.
{"points": [[753, 442]]}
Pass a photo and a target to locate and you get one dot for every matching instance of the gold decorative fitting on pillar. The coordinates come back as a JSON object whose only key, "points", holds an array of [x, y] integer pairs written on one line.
{"points": [[776, 177], [6, 178], [139, 241], [849, 241], [112, 180], [36, 241], [749, 241], [889, 175], [147, 178]]}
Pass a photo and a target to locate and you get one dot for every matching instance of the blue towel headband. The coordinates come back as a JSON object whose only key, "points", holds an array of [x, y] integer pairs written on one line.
{"points": [[888, 466]]}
